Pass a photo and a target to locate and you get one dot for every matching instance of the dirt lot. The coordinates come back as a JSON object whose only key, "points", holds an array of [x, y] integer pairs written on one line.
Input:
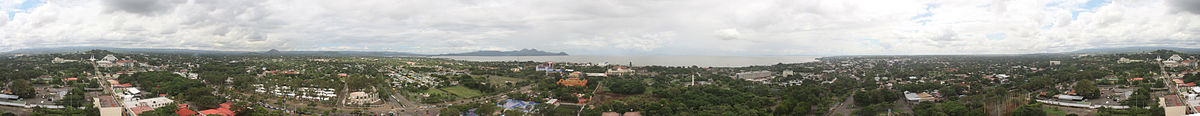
{"points": [[46, 95]]}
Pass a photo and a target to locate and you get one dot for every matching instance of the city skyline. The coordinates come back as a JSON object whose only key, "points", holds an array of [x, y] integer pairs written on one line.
{"points": [[721, 28]]}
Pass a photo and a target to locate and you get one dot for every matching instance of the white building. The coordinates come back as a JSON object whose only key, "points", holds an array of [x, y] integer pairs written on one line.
{"points": [[134, 108], [918, 97], [109, 58], [1175, 58], [361, 98], [596, 74], [60, 60], [1126, 60], [617, 70]]}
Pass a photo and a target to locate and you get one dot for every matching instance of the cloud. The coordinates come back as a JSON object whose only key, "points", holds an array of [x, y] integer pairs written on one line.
{"points": [[1191, 6], [728, 34], [618, 27], [143, 7]]}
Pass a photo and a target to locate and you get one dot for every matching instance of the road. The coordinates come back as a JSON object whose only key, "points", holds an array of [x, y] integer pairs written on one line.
{"points": [[843, 107]]}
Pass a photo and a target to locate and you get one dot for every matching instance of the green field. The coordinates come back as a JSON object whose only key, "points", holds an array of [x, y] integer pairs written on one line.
{"points": [[463, 92], [1053, 112], [433, 91], [500, 79]]}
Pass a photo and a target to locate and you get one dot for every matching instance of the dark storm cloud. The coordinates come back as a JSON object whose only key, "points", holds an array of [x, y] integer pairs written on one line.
{"points": [[143, 7], [1192, 6]]}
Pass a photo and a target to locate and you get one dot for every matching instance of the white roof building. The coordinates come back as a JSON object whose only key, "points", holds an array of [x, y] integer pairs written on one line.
{"points": [[1068, 97], [1175, 58], [109, 57]]}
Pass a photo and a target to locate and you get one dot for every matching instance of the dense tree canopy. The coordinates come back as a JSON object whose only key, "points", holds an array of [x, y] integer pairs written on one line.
{"points": [[22, 88], [627, 86]]}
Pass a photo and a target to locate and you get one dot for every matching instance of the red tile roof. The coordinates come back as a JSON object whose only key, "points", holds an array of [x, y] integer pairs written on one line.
{"points": [[185, 112], [140, 109], [633, 113], [224, 110]]}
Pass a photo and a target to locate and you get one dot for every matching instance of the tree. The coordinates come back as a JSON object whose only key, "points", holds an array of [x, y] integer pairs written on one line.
{"points": [[1087, 89], [214, 77], [22, 88], [875, 96], [627, 87], [202, 97], [74, 98], [1140, 98], [1029, 110], [166, 110]]}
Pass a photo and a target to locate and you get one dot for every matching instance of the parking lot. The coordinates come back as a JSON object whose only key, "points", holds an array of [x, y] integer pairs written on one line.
{"points": [[1110, 95], [46, 94]]}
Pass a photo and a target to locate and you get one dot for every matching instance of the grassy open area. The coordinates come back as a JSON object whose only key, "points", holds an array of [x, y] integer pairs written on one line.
{"points": [[1053, 112], [463, 92], [433, 91], [501, 79]]}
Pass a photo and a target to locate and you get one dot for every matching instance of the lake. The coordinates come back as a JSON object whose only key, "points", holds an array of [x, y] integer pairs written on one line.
{"points": [[702, 61]]}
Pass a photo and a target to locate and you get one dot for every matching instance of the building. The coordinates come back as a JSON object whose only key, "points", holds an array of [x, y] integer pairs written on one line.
{"points": [[1170, 63], [60, 60], [108, 106], [918, 97], [1055, 62], [572, 82], [1126, 60], [185, 111], [543, 68], [1069, 97], [223, 110], [575, 74], [106, 64], [109, 58], [133, 108], [1175, 58], [596, 74], [786, 73], [361, 98], [754, 75], [618, 70], [1172, 106], [518, 105], [9, 97]]}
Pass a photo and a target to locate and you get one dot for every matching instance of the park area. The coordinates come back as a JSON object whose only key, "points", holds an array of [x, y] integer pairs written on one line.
{"points": [[463, 92], [502, 79]]}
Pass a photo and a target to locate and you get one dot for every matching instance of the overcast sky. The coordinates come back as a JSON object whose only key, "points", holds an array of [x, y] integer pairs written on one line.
{"points": [[606, 27]]}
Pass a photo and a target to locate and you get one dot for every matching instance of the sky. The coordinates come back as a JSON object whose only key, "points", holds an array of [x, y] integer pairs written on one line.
{"points": [[607, 27]]}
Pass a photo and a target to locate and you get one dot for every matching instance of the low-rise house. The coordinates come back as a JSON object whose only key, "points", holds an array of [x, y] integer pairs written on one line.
{"points": [[134, 108], [224, 110]]}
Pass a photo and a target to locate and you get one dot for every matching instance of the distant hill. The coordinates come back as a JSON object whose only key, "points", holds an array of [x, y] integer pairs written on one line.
{"points": [[210, 52], [522, 52], [1136, 50]]}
